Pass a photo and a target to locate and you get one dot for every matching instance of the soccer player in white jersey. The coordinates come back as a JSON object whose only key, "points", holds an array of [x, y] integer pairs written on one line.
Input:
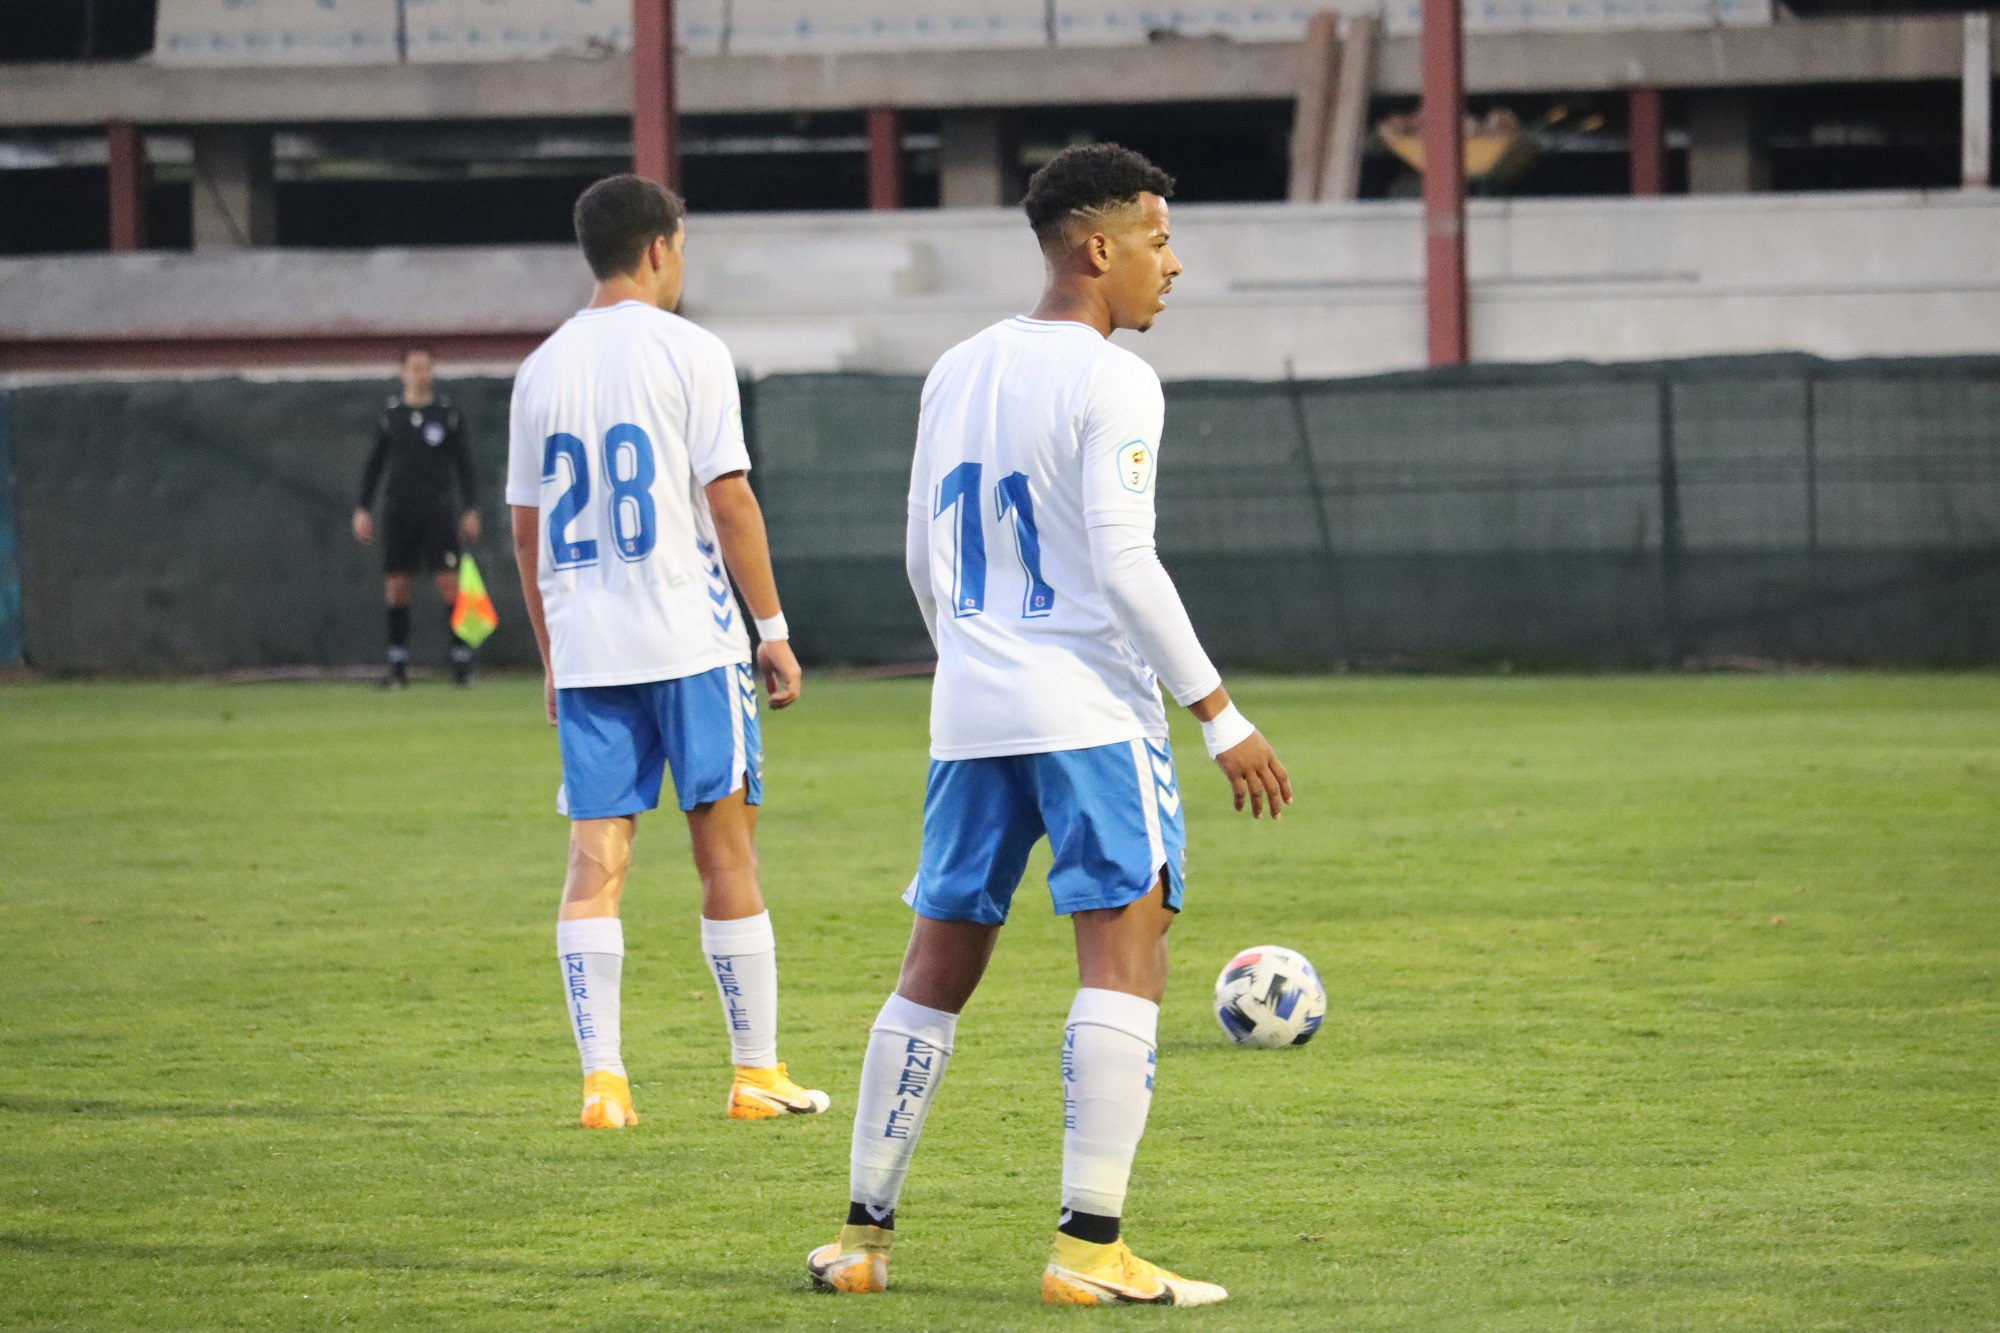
{"points": [[626, 474], [1030, 549]]}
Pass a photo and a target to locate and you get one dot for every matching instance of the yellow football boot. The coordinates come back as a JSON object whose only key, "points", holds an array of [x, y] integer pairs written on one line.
{"points": [[607, 1101], [764, 1094], [858, 1262], [1080, 1273]]}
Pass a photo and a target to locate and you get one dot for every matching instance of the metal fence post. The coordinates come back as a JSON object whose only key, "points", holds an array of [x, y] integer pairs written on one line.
{"points": [[1670, 526], [1812, 474], [13, 640], [1297, 401]]}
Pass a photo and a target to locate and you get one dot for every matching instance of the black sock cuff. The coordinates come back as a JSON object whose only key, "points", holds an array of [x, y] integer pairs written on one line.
{"points": [[1093, 1227], [858, 1215]]}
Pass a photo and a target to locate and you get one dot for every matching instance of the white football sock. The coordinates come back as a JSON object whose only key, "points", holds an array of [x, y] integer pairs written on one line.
{"points": [[907, 1051], [592, 953], [743, 955], [1107, 1071]]}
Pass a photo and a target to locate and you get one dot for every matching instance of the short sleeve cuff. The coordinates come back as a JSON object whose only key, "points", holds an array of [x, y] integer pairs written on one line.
{"points": [[722, 467]]}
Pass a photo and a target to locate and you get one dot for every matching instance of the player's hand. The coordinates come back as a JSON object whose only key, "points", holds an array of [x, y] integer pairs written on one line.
{"points": [[468, 527], [364, 527], [1254, 773], [549, 703], [781, 673]]}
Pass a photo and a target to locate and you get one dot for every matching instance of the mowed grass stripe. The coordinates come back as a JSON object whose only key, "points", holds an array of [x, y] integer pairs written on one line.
{"points": [[1656, 1002]]}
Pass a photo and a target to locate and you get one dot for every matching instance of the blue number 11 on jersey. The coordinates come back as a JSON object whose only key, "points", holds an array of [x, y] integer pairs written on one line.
{"points": [[961, 487], [629, 469]]}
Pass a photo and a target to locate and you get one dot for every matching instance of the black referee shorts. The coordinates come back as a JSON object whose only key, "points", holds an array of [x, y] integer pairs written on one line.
{"points": [[424, 542]]}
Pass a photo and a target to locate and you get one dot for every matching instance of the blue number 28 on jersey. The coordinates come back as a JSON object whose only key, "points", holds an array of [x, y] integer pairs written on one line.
{"points": [[960, 487], [629, 469]]}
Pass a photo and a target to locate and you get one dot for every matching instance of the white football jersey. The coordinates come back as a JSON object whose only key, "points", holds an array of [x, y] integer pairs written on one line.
{"points": [[619, 421], [1032, 432]]}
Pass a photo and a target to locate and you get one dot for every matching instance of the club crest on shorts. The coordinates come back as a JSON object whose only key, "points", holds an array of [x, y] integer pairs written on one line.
{"points": [[1135, 466]]}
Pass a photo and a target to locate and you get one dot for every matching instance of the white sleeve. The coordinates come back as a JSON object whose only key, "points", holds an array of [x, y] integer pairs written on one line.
{"points": [[1124, 411], [1148, 608], [524, 451], [1119, 434], [917, 564], [715, 414]]}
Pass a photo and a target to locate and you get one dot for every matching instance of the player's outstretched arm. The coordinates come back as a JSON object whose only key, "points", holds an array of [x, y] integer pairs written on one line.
{"points": [[739, 528], [1148, 608], [528, 560]]}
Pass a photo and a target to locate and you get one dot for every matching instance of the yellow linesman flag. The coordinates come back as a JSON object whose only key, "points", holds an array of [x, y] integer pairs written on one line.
{"points": [[472, 615]]}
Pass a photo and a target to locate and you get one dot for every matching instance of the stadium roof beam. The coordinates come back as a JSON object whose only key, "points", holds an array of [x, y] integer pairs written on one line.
{"points": [[1842, 50]]}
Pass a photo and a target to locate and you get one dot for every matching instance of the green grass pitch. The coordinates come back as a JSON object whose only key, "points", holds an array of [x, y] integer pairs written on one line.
{"points": [[1655, 1003]]}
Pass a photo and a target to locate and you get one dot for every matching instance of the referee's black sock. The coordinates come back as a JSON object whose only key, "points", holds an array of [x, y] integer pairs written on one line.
{"points": [[399, 635]]}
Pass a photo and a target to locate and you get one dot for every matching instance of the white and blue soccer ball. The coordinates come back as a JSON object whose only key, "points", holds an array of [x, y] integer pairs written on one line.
{"points": [[1269, 997]]}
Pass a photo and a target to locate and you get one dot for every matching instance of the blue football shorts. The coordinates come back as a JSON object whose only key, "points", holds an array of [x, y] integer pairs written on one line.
{"points": [[617, 739], [1112, 815]]}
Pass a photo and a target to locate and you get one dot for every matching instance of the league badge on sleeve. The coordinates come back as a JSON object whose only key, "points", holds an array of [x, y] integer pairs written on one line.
{"points": [[1135, 467]]}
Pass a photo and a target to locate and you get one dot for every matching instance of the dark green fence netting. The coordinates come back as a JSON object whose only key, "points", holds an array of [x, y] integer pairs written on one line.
{"points": [[1772, 507], [12, 643], [172, 526]]}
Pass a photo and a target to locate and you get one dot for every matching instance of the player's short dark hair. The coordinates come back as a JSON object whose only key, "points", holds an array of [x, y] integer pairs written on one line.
{"points": [[411, 349], [617, 218], [1090, 179]]}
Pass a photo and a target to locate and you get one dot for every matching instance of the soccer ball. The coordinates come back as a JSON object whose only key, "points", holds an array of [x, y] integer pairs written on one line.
{"points": [[1269, 996]]}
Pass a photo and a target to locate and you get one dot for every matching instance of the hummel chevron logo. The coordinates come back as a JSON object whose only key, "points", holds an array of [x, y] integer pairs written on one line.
{"points": [[718, 595], [1163, 777]]}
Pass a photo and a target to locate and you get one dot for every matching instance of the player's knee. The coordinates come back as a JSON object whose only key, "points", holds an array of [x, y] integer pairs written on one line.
{"points": [[600, 853]]}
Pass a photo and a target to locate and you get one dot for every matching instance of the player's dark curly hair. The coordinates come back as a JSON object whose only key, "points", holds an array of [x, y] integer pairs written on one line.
{"points": [[1089, 179], [617, 218]]}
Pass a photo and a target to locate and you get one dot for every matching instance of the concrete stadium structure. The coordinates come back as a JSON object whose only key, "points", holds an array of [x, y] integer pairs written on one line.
{"points": [[1328, 289], [1326, 285]]}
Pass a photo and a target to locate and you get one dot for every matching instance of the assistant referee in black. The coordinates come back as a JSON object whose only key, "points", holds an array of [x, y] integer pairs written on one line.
{"points": [[419, 457]]}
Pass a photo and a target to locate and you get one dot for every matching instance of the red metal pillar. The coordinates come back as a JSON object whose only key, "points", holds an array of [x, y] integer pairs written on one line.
{"points": [[656, 151], [885, 158], [1647, 131], [128, 185], [1444, 182]]}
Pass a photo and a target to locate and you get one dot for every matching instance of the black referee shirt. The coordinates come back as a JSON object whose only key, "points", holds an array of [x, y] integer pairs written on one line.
{"points": [[418, 451]]}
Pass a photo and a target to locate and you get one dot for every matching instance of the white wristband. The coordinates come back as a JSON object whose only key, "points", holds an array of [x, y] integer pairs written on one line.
{"points": [[1225, 731], [773, 630]]}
